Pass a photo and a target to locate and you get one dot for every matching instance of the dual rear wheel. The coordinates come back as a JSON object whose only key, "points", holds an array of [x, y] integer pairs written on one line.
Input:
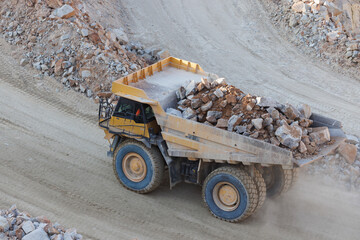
{"points": [[231, 193]]}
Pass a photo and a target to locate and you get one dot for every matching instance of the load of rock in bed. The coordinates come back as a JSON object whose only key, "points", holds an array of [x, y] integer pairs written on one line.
{"points": [[215, 103], [20, 225]]}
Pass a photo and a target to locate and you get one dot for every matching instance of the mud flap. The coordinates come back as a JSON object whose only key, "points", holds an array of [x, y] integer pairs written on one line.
{"points": [[174, 166], [113, 146]]}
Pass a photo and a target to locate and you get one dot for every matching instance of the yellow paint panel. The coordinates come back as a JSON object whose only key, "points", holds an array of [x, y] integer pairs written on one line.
{"points": [[130, 126]]}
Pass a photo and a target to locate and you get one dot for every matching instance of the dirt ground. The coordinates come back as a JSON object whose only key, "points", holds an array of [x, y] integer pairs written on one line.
{"points": [[53, 157]]}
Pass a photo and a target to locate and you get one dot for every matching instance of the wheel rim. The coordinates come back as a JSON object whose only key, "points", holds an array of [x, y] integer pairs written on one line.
{"points": [[226, 196], [269, 177], [134, 167]]}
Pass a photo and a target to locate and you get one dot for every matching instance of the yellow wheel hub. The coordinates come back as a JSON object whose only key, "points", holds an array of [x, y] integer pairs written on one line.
{"points": [[226, 196], [134, 167]]}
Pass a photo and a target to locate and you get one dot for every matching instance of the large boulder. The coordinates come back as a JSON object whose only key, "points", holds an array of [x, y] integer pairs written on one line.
{"points": [[174, 112], [65, 11], [38, 234], [320, 135], [348, 151], [121, 35], [4, 224], [289, 136]]}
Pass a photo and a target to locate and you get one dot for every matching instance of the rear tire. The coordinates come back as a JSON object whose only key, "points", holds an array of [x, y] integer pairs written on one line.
{"points": [[137, 167], [260, 186], [230, 194], [277, 179], [295, 176]]}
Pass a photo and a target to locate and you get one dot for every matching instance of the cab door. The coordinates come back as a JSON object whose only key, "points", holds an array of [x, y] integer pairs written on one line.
{"points": [[128, 119]]}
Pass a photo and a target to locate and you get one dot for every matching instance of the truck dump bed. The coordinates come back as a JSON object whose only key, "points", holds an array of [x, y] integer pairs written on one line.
{"points": [[163, 85], [156, 85]]}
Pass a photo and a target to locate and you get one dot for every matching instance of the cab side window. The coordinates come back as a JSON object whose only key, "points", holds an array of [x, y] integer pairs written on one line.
{"points": [[139, 116], [140, 113], [149, 114]]}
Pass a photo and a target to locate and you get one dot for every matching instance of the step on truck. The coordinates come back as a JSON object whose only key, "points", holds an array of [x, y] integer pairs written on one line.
{"points": [[236, 172]]}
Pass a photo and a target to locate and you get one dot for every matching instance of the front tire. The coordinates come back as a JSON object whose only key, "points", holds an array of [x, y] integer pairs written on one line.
{"points": [[137, 167], [230, 194]]}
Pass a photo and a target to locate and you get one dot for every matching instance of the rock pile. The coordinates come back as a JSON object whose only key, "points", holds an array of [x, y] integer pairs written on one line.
{"points": [[61, 40], [215, 103], [331, 28], [20, 225]]}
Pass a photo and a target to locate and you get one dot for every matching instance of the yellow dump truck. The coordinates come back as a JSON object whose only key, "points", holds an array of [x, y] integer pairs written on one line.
{"points": [[236, 172]]}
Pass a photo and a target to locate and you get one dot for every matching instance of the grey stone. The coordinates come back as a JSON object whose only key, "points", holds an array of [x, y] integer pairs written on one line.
{"points": [[196, 103], [181, 93], [355, 54], [352, 139], [218, 93], [268, 121], [249, 106], [275, 114], [82, 88], [63, 11], [206, 82], [89, 93], [28, 227], [190, 97], [240, 129], [255, 135], [66, 64], [174, 112], [190, 88], [348, 54], [266, 102], [70, 70], [221, 81], [305, 110], [222, 123], [84, 32], [302, 147], [293, 22], [232, 120], [206, 106], [44, 67], [37, 66], [4, 224], [257, 123], [66, 36], [163, 54], [289, 136], [188, 113], [133, 67], [85, 74], [38, 234], [24, 62], [274, 141], [320, 135], [216, 114]]}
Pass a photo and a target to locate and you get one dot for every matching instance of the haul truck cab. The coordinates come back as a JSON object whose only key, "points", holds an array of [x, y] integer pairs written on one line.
{"points": [[236, 172]]}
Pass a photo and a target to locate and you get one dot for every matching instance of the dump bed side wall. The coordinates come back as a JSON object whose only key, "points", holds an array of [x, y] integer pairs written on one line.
{"points": [[187, 138]]}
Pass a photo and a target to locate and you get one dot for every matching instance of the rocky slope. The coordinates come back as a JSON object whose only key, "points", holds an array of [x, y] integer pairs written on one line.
{"points": [[326, 29], [59, 39]]}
